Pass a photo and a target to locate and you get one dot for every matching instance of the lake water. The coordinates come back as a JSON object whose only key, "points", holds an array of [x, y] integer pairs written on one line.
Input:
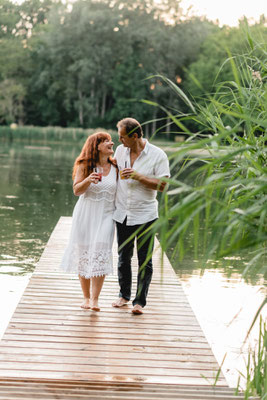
{"points": [[36, 189]]}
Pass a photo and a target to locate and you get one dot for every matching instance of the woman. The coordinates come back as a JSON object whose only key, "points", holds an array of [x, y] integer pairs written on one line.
{"points": [[89, 252]]}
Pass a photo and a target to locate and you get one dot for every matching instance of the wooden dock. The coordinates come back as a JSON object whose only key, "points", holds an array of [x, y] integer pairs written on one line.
{"points": [[53, 349]]}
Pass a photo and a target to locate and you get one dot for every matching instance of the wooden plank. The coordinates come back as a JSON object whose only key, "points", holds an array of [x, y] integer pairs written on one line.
{"points": [[50, 389], [140, 349], [114, 361], [106, 332], [84, 340], [60, 300], [104, 376], [83, 319], [33, 363], [116, 314], [51, 338], [111, 395], [187, 360], [127, 387]]}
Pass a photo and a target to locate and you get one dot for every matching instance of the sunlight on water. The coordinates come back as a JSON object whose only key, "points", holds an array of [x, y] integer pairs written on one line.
{"points": [[225, 308]]}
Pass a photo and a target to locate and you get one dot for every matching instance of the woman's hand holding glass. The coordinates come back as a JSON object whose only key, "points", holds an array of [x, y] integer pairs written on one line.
{"points": [[99, 171], [96, 175]]}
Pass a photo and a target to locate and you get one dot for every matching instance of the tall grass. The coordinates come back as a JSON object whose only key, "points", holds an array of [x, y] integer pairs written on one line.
{"points": [[224, 200], [256, 367], [226, 197]]}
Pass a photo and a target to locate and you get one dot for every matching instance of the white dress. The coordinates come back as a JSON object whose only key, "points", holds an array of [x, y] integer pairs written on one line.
{"points": [[89, 251]]}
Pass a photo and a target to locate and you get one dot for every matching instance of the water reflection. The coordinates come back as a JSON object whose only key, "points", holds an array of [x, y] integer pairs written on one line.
{"points": [[35, 190], [225, 308], [231, 267]]}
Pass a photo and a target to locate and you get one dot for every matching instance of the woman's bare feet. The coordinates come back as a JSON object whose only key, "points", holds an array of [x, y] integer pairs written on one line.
{"points": [[120, 302], [94, 305], [86, 304]]}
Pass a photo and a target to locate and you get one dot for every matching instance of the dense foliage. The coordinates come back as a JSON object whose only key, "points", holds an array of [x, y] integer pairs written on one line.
{"points": [[222, 205], [213, 66], [86, 64], [227, 193]]}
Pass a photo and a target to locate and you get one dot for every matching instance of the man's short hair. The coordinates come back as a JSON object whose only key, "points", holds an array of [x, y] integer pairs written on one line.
{"points": [[131, 126]]}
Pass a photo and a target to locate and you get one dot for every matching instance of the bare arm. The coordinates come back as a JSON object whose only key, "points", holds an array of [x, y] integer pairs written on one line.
{"points": [[81, 184], [150, 183]]}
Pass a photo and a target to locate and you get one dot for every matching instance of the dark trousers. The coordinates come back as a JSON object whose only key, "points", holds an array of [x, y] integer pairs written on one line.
{"points": [[145, 245]]}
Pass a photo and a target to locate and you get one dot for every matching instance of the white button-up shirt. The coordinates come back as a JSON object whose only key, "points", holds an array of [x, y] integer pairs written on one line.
{"points": [[133, 199]]}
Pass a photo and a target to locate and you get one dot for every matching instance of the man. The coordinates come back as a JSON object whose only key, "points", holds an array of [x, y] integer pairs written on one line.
{"points": [[141, 165]]}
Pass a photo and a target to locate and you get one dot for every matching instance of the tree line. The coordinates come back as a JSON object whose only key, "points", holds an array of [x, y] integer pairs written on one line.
{"points": [[89, 63]]}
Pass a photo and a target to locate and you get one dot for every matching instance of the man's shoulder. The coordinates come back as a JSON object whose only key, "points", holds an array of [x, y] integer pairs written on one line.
{"points": [[156, 150], [119, 149]]}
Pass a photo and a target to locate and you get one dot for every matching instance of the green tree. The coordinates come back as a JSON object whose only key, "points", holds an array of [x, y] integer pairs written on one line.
{"points": [[13, 62], [11, 101], [17, 23], [212, 65], [76, 59], [88, 65], [9, 18]]}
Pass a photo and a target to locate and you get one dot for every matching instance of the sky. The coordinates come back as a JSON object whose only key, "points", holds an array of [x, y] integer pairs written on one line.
{"points": [[228, 12]]}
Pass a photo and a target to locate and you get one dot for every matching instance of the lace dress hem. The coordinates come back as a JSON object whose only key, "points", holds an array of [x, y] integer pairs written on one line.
{"points": [[89, 264]]}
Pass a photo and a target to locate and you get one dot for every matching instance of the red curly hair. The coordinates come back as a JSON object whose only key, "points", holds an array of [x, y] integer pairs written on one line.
{"points": [[89, 155]]}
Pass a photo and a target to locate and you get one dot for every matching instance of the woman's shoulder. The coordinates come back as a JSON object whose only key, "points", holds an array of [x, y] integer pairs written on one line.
{"points": [[113, 162], [114, 168]]}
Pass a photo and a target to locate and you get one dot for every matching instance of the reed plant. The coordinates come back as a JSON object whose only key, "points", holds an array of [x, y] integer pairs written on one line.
{"points": [[225, 196], [256, 367], [222, 202]]}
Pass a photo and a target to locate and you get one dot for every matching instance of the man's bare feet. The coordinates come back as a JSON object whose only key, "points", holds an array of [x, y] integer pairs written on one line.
{"points": [[94, 305], [86, 304], [137, 310], [120, 302]]}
